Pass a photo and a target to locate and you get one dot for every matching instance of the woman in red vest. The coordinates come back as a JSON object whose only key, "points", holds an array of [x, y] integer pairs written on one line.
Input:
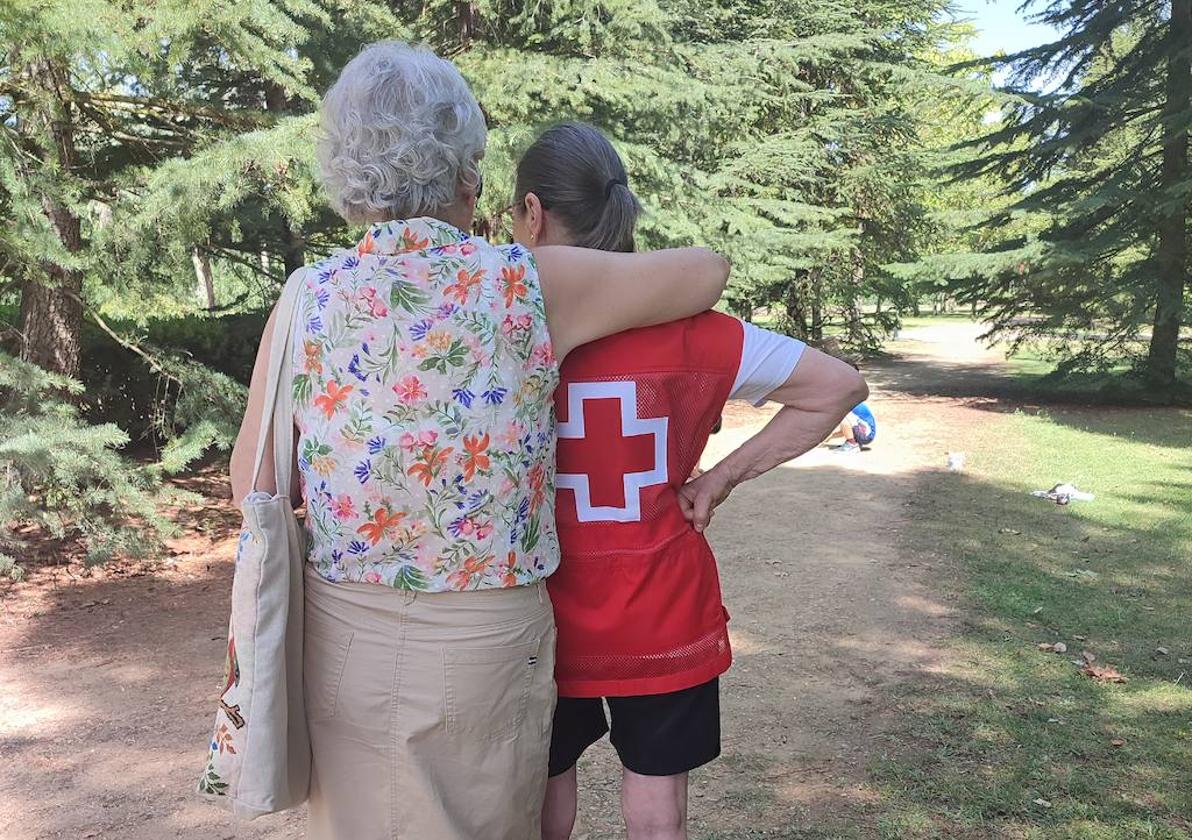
{"points": [[637, 595]]}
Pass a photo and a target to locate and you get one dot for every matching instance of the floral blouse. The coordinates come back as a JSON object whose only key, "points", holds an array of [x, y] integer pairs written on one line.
{"points": [[423, 397]]}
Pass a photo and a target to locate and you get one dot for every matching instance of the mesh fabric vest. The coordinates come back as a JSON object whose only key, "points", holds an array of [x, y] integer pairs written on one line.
{"points": [[637, 595]]}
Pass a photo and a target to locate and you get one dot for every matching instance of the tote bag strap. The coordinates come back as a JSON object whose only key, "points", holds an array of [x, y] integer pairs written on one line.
{"points": [[279, 397]]}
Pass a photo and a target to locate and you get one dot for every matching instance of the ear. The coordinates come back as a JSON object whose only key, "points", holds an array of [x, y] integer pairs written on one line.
{"points": [[466, 197], [535, 216]]}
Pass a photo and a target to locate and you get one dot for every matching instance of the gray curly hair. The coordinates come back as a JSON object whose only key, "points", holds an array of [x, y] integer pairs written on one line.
{"points": [[400, 131]]}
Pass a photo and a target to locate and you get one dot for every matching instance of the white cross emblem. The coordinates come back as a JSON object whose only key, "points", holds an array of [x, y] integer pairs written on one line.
{"points": [[631, 425]]}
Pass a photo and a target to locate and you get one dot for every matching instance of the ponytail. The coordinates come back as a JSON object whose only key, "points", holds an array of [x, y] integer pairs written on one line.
{"points": [[613, 231]]}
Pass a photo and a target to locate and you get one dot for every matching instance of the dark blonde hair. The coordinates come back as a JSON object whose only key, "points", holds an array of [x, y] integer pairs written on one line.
{"points": [[579, 177]]}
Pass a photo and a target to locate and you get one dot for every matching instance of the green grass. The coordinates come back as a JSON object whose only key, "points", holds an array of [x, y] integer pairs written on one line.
{"points": [[1034, 368], [1031, 376], [912, 321], [1008, 724], [1033, 372]]}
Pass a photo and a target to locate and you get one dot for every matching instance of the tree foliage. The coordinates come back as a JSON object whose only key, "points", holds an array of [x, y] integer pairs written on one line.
{"points": [[64, 478], [1094, 151], [156, 166]]}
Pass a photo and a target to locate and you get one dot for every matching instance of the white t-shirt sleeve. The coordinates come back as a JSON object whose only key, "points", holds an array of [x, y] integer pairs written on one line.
{"points": [[767, 361]]}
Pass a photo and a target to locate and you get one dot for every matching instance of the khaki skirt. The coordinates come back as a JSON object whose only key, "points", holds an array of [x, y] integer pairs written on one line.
{"points": [[429, 714]]}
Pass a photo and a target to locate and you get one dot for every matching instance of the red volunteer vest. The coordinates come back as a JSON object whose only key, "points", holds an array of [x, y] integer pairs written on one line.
{"points": [[637, 595]]}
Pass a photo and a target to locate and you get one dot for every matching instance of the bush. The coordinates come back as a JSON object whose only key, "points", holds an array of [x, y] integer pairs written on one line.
{"points": [[202, 382], [202, 411], [63, 477]]}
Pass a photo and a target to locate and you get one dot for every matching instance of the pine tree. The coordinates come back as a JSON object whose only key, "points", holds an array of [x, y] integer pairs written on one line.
{"points": [[146, 148], [245, 198], [1096, 152], [64, 478], [778, 132], [954, 236], [89, 90], [95, 97], [819, 181]]}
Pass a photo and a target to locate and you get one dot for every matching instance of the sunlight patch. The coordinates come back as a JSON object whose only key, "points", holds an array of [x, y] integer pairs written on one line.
{"points": [[19, 716]]}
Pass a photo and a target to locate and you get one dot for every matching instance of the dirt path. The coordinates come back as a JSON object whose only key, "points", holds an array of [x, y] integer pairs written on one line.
{"points": [[107, 679]]}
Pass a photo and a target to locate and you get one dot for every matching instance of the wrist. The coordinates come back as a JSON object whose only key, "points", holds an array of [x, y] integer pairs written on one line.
{"points": [[729, 472]]}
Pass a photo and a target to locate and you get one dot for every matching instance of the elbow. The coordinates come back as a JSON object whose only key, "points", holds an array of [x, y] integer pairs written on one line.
{"points": [[858, 390], [716, 274]]}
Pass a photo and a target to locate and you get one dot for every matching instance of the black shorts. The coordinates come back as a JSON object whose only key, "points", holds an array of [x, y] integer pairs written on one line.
{"points": [[655, 734]]}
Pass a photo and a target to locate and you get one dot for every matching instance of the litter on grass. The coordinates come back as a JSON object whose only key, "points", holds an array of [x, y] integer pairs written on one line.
{"points": [[1062, 494], [1102, 673]]}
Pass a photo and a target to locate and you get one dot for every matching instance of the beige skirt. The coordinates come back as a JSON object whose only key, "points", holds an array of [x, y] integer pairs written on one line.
{"points": [[430, 714]]}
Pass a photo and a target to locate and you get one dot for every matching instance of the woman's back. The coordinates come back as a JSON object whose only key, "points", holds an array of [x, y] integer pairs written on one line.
{"points": [[424, 376]]}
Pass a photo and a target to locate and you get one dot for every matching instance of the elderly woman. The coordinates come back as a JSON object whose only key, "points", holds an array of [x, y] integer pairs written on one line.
{"points": [[425, 364]]}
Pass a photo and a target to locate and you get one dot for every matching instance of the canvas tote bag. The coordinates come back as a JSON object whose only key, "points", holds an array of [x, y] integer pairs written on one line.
{"points": [[258, 761]]}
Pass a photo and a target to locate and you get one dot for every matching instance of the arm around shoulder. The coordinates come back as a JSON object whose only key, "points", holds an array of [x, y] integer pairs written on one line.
{"points": [[590, 294]]}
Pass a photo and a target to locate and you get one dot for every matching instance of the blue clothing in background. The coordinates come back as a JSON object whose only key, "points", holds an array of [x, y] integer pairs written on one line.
{"points": [[861, 421]]}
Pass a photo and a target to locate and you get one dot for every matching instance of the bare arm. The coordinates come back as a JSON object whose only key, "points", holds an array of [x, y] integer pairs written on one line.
{"points": [[245, 449], [820, 391], [590, 294]]}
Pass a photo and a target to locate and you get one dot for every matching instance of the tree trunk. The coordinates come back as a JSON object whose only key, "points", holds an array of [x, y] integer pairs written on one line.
{"points": [[51, 319], [291, 244], [795, 311], [51, 324], [854, 327], [206, 283], [293, 252], [817, 311], [465, 14], [1173, 228]]}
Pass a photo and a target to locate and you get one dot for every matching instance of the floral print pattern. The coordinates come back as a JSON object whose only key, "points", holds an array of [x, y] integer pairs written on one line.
{"points": [[423, 384]]}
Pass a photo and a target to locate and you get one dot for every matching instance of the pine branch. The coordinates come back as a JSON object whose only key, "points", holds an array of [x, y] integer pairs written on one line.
{"points": [[238, 120], [153, 363]]}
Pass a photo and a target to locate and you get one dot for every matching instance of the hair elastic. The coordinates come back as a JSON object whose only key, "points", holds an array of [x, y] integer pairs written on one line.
{"points": [[612, 182]]}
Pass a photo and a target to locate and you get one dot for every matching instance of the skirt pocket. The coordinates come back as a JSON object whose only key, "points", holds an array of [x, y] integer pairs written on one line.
{"points": [[488, 689], [324, 655]]}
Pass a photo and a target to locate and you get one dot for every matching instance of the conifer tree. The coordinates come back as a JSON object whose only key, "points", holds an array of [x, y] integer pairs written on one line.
{"points": [[90, 90], [1096, 151], [817, 185]]}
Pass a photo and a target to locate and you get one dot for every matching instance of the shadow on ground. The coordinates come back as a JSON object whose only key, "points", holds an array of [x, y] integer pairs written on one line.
{"points": [[913, 370], [1000, 741], [859, 705], [110, 685], [108, 700], [1010, 741]]}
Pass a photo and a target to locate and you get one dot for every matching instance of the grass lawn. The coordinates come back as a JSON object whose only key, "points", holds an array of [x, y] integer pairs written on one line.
{"points": [[1012, 741], [1031, 374], [927, 320], [1115, 386]]}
